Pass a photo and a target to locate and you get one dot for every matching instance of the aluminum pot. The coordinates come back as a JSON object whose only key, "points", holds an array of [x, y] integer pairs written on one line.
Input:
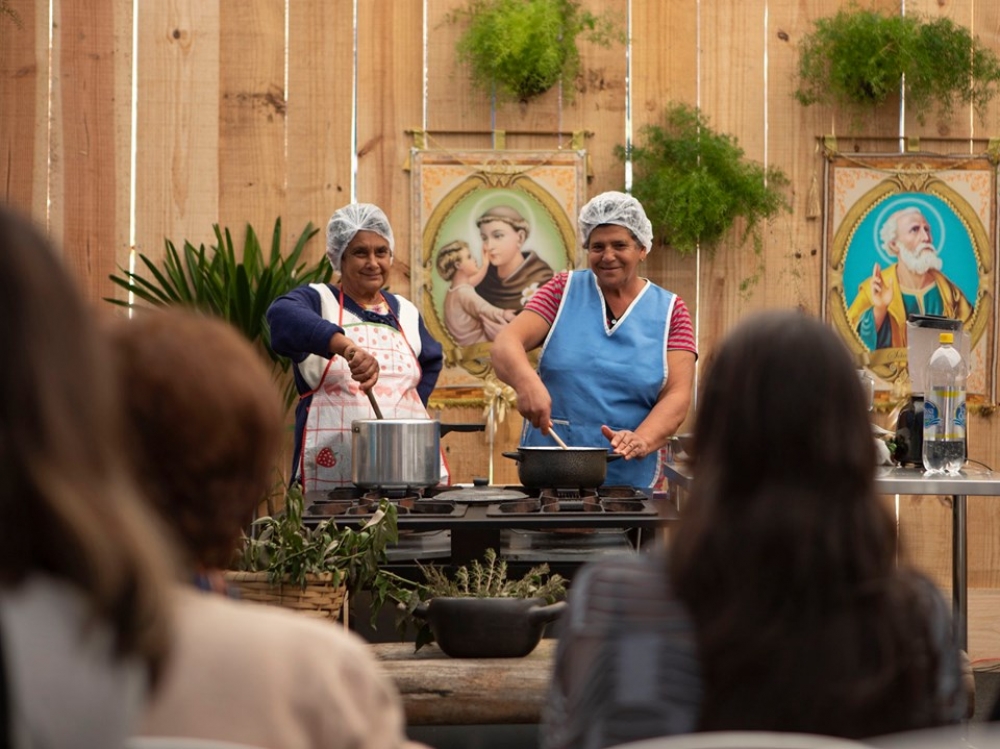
{"points": [[395, 453], [555, 467]]}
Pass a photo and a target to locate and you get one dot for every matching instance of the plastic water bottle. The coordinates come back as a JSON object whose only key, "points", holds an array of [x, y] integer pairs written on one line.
{"points": [[944, 409]]}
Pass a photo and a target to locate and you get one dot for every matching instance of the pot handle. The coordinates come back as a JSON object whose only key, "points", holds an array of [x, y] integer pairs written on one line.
{"points": [[420, 612], [613, 456], [545, 614], [512, 455]]}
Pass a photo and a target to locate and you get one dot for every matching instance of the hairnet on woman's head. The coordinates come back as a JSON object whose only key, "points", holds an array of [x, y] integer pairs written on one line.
{"points": [[348, 221], [617, 208]]}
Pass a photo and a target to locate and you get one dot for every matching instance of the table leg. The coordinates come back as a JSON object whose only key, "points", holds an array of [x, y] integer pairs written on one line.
{"points": [[959, 571]]}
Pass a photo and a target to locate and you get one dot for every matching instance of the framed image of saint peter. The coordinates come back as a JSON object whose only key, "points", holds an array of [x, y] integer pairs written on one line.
{"points": [[912, 235]]}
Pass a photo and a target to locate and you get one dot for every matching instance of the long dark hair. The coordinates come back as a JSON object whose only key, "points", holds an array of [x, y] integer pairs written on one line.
{"points": [[70, 506], [786, 557]]}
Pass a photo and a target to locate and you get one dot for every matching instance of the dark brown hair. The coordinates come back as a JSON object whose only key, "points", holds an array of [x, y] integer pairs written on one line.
{"points": [[786, 557], [70, 507], [205, 418]]}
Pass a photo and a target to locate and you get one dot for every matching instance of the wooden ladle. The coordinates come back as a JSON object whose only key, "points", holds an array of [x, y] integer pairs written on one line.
{"points": [[557, 438], [371, 399]]}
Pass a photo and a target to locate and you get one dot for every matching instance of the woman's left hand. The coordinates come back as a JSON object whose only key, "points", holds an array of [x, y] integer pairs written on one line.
{"points": [[626, 443]]}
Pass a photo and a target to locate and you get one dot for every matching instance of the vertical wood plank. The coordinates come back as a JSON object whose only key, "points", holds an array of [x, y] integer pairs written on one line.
{"points": [[320, 90], [664, 73], [177, 133], [452, 102], [24, 75], [94, 126], [794, 245], [732, 86], [251, 115], [390, 97], [598, 102]]}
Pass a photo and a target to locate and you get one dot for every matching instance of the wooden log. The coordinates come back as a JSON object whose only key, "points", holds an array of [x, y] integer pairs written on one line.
{"points": [[438, 690]]}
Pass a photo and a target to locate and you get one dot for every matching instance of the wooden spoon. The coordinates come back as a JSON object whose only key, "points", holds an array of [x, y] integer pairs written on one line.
{"points": [[557, 438], [371, 399]]}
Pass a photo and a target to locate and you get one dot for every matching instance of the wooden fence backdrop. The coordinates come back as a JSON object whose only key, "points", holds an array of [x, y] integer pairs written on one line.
{"points": [[246, 110]]}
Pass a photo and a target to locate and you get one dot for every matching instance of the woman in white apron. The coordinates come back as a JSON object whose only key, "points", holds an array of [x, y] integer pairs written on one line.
{"points": [[347, 339]]}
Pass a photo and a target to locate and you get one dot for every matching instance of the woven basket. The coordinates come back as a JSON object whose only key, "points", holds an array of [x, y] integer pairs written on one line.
{"points": [[320, 599]]}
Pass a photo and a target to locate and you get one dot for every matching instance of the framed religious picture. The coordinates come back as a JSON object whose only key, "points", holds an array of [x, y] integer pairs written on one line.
{"points": [[489, 228], [912, 235]]}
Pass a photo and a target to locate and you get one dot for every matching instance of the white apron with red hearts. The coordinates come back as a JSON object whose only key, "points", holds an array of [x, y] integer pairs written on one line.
{"points": [[337, 400]]}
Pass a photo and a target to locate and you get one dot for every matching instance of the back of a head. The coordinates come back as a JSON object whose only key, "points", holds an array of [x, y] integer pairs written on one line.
{"points": [[70, 507], [785, 555], [205, 417]]}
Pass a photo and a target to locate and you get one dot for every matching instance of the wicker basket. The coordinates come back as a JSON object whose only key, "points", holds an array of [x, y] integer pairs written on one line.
{"points": [[320, 599]]}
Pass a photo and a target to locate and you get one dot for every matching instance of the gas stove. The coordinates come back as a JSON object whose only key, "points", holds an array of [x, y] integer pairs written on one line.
{"points": [[520, 523]]}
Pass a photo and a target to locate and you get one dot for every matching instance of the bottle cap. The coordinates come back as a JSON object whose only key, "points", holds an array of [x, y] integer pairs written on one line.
{"points": [[946, 337]]}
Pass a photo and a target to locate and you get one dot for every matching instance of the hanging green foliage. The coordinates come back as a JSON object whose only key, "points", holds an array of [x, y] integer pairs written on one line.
{"points": [[859, 59], [695, 183], [521, 48]]}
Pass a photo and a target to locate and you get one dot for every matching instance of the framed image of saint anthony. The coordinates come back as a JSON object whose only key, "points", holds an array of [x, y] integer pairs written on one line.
{"points": [[912, 240], [494, 226]]}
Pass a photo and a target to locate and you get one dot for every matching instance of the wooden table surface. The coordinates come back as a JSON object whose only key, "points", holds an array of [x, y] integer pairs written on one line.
{"points": [[440, 690]]}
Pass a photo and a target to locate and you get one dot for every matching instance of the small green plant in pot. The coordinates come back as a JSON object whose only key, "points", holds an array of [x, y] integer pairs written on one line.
{"points": [[857, 59], [286, 562], [518, 49], [695, 183], [480, 613]]}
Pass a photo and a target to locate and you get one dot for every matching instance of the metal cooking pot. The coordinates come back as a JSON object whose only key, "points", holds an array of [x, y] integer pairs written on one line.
{"points": [[555, 467], [395, 453]]}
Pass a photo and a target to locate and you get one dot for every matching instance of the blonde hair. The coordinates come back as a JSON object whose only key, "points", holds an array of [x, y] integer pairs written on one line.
{"points": [[449, 256]]}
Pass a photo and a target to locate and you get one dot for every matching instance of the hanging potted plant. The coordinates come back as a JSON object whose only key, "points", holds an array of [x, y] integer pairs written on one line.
{"points": [[517, 49], [695, 183], [858, 59]]}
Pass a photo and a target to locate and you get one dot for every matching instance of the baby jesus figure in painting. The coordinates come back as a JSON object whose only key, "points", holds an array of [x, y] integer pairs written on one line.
{"points": [[469, 318]]}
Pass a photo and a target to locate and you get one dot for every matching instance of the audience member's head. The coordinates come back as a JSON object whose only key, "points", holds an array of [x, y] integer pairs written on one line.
{"points": [[205, 418], [71, 509], [786, 557]]}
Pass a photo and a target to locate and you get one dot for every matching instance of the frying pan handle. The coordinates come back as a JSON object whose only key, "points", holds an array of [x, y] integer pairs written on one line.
{"points": [[512, 455]]}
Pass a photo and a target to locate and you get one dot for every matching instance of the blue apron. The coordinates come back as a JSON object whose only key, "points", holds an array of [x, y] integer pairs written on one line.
{"points": [[598, 375]]}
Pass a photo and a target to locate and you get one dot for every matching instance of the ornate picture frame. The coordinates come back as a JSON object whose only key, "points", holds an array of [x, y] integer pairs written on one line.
{"points": [[892, 219], [489, 227]]}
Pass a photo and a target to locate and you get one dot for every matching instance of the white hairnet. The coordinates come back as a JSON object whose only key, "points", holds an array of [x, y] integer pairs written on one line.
{"points": [[617, 208], [348, 221]]}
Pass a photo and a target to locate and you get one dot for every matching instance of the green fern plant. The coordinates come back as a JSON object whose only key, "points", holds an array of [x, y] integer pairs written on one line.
{"points": [[695, 183], [518, 49], [236, 287], [857, 59]]}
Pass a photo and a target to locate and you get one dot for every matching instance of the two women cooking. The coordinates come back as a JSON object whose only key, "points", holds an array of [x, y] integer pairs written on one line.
{"points": [[616, 368]]}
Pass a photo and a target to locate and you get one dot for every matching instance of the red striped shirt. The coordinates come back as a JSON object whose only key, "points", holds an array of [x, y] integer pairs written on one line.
{"points": [[547, 299]]}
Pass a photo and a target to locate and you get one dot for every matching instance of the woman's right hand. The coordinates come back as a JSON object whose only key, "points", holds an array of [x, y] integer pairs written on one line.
{"points": [[364, 366], [535, 404]]}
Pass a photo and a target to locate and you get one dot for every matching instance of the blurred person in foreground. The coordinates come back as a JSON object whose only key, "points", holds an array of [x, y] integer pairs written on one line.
{"points": [[206, 421], [343, 339], [617, 351], [84, 574], [779, 604]]}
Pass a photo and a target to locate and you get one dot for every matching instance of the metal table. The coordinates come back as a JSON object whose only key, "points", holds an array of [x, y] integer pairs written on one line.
{"points": [[972, 481]]}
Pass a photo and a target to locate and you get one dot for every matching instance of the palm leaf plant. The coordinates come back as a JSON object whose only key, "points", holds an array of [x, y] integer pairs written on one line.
{"points": [[238, 287]]}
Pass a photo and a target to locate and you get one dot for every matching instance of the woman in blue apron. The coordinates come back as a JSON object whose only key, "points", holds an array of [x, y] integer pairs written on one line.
{"points": [[616, 366], [347, 339]]}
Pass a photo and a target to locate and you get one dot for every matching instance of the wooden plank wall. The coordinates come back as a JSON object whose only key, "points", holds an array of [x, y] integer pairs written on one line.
{"points": [[244, 115]]}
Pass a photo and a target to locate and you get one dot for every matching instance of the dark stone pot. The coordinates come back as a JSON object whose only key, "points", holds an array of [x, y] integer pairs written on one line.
{"points": [[488, 627], [555, 467]]}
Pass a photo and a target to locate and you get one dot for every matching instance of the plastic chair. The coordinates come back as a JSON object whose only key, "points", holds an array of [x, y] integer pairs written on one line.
{"points": [[744, 740]]}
